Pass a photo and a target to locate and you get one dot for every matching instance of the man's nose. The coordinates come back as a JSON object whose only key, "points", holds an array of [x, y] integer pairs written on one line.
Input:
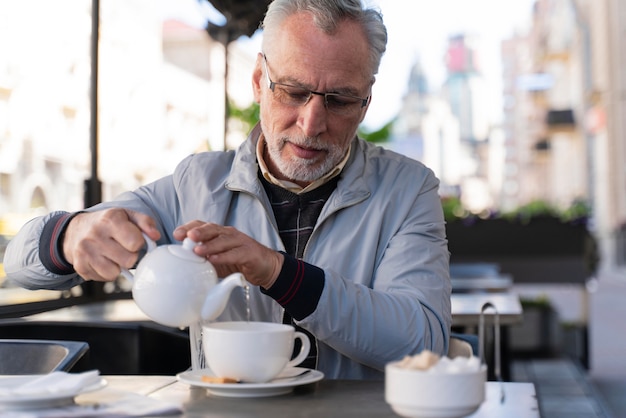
{"points": [[313, 116]]}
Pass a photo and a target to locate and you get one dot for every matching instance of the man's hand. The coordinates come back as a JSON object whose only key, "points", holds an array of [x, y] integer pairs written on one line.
{"points": [[230, 251], [99, 244]]}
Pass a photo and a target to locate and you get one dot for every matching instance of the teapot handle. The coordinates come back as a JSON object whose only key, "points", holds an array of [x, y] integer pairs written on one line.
{"points": [[151, 245]]}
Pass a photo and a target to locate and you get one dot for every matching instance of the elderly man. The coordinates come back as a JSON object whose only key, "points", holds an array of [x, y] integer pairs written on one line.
{"points": [[343, 238]]}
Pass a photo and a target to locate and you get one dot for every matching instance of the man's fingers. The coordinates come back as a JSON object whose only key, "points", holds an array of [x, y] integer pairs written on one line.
{"points": [[192, 230], [145, 223], [99, 244]]}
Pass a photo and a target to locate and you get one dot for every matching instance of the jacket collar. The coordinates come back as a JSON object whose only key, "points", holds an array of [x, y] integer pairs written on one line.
{"points": [[351, 188]]}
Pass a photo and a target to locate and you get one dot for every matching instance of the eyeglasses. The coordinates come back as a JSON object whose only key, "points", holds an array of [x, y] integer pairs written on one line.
{"points": [[294, 96]]}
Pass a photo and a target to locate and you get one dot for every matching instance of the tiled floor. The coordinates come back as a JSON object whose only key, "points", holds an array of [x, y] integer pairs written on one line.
{"points": [[562, 388], [565, 389]]}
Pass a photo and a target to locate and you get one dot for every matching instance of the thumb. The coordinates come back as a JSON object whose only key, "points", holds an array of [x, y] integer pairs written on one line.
{"points": [[145, 223]]}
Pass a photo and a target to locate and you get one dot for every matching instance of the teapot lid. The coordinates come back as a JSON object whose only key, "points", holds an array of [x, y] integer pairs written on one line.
{"points": [[185, 251]]}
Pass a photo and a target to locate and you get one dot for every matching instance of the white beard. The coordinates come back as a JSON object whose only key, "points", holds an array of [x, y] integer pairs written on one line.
{"points": [[301, 169]]}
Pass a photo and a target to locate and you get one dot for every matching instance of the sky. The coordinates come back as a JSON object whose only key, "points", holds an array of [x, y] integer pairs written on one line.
{"points": [[418, 31]]}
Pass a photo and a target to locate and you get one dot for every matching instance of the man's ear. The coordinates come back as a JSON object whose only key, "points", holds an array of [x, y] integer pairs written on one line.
{"points": [[257, 78]]}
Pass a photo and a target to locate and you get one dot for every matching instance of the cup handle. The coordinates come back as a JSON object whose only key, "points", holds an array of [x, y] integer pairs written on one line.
{"points": [[150, 245], [304, 349]]}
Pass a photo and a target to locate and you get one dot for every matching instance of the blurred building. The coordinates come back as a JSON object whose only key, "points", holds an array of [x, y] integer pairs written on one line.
{"points": [[564, 109], [44, 106], [464, 89], [161, 97], [448, 129], [524, 149], [465, 92], [553, 77], [561, 139]]}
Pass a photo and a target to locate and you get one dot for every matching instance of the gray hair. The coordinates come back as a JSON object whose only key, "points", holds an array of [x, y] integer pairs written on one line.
{"points": [[327, 15]]}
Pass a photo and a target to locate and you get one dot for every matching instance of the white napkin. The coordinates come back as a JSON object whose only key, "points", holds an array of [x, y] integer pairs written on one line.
{"points": [[125, 406], [55, 382], [114, 404]]}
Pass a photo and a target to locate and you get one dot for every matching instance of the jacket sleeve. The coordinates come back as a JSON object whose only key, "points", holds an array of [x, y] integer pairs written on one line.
{"points": [[23, 264]]}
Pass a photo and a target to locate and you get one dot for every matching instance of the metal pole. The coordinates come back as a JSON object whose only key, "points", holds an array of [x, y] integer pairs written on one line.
{"points": [[226, 41], [93, 186]]}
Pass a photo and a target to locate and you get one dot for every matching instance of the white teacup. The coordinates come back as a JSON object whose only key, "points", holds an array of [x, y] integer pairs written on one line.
{"points": [[253, 352]]}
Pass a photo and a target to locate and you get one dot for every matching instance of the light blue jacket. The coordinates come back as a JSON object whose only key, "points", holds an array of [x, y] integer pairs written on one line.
{"points": [[380, 240]]}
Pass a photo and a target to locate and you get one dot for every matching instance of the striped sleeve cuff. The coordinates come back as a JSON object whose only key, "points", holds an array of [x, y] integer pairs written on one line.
{"points": [[50, 242], [298, 287]]}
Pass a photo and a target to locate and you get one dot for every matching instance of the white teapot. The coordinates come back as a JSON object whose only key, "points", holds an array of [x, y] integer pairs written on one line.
{"points": [[177, 288]]}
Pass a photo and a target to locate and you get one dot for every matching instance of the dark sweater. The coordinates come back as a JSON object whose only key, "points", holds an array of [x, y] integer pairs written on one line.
{"points": [[296, 216]]}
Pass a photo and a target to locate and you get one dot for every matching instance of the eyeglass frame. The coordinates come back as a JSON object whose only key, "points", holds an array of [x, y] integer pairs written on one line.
{"points": [[273, 84]]}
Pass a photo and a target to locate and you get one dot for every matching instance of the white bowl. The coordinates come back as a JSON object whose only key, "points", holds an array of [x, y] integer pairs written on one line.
{"points": [[423, 394]]}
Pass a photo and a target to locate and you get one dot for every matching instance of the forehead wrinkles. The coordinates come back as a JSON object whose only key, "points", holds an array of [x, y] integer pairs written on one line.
{"points": [[305, 55]]}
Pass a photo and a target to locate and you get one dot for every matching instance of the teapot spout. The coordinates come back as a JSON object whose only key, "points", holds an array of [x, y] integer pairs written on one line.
{"points": [[216, 300]]}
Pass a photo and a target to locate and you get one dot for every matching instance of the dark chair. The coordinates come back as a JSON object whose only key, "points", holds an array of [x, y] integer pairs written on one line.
{"points": [[23, 356]]}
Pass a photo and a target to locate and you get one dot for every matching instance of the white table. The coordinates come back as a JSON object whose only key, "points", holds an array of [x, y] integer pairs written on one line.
{"points": [[466, 308], [122, 310], [495, 283], [326, 398]]}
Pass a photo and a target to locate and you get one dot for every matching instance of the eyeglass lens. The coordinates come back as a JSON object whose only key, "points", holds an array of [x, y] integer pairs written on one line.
{"points": [[298, 96]]}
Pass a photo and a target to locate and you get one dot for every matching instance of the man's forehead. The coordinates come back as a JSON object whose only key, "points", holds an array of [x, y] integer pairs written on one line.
{"points": [[303, 48]]}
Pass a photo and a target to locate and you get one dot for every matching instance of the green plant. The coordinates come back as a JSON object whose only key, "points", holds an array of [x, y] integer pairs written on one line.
{"points": [[453, 209], [248, 115], [540, 301], [577, 212], [578, 209], [532, 210], [379, 135]]}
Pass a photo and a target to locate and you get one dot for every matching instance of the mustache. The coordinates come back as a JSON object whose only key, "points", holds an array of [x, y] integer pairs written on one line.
{"points": [[304, 142]]}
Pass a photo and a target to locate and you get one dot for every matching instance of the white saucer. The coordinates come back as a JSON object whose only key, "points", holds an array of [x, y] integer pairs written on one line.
{"points": [[39, 400], [284, 383]]}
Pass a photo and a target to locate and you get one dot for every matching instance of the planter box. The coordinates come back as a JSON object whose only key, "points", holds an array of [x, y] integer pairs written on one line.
{"points": [[544, 250]]}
